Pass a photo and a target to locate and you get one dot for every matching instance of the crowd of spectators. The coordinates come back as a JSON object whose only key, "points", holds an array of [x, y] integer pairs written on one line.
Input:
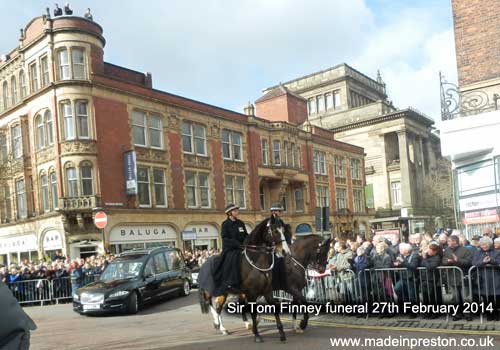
{"points": [[194, 259], [449, 248]]}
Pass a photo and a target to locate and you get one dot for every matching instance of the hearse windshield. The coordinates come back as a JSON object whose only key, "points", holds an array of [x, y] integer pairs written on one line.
{"points": [[122, 269]]}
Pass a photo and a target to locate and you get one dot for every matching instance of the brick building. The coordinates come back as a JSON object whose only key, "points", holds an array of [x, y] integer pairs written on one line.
{"points": [[409, 185], [68, 121], [470, 114]]}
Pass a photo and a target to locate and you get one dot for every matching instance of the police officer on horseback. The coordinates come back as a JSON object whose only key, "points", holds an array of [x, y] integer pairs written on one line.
{"points": [[233, 232], [279, 274]]}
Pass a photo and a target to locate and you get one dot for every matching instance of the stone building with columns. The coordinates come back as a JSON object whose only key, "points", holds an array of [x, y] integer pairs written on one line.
{"points": [[409, 183], [78, 133]]}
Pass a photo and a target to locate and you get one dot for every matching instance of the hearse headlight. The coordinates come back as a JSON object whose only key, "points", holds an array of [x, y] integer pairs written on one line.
{"points": [[121, 293], [76, 297]]}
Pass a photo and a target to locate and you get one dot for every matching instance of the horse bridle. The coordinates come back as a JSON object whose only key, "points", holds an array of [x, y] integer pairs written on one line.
{"points": [[261, 250]]}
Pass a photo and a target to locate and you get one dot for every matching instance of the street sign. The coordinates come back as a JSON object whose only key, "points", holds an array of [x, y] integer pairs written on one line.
{"points": [[100, 219]]}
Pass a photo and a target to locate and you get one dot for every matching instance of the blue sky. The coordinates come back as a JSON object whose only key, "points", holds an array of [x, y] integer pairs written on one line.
{"points": [[224, 52]]}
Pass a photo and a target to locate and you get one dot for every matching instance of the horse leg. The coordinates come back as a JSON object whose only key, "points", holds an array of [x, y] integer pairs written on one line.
{"points": [[242, 301], [258, 338], [215, 317], [303, 323], [219, 304], [270, 300]]}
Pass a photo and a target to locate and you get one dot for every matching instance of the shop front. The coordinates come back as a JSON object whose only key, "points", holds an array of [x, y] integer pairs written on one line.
{"points": [[52, 242], [124, 237], [200, 237], [16, 249], [478, 212]]}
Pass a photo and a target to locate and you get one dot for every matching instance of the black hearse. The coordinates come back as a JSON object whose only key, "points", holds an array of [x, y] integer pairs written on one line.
{"points": [[134, 278]]}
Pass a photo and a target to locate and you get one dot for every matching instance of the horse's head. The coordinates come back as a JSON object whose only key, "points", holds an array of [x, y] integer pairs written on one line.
{"points": [[321, 255], [276, 234]]}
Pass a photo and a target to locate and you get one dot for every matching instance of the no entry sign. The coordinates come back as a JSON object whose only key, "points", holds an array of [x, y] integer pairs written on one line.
{"points": [[100, 219]]}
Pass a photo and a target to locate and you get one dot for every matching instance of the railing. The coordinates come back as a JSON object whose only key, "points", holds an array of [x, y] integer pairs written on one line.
{"points": [[444, 285], [78, 203], [43, 291], [456, 103]]}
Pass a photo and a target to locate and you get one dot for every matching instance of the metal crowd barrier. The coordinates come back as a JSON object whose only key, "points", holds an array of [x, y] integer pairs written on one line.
{"points": [[43, 291], [442, 285]]}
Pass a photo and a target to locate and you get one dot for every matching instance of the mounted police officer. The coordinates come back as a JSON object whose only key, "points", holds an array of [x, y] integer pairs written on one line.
{"points": [[227, 269], [279, 274]]}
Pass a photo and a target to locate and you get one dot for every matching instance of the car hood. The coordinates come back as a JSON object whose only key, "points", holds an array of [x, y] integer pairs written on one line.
{"points": [[106, 286]]}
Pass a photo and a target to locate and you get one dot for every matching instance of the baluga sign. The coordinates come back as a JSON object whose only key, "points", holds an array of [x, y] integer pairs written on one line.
{"points": [[141, 233]]}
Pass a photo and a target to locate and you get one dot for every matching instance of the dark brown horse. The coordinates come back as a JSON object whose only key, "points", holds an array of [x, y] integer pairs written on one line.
{"points": [[306, 252], [257, 261]]}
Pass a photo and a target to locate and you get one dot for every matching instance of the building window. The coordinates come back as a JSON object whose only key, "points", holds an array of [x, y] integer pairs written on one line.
{"points": [[17, 146], [277, 152], [7, 202], [22, 84], [312, 105], [336, 99], [72, 182], [44, 186], [194, 138], [13, 90], [197, 190], [22, 209], [69, 125], [44, 67], [322, 197], [339, 169], [155, 131], [341, 194], [143, 186], [284, 201], [358, 201], [86, 179], [262, 197], [319, 160], [64, 72], [235, 190], [78, 63], [396, 192], [265, 151], [356, 169], [299, 200], [329, 101], [82, 119], [40, 132], [231, 145], [53, 189], [321, 103], [294, 156], [34, 77], [139, 128], [49, 128], [160, 187], [4, 150], [5, 94]]}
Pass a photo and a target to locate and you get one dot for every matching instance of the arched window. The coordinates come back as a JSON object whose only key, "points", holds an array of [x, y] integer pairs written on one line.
{"points": [[86, 179], [71, 182], [53, 189], [22, 84], [40, 132], [13, 90], [49, 127], [5, 94], [44, 193]]}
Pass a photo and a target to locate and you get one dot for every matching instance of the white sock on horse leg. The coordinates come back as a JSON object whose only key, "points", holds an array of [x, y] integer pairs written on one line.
{"points": [[215, 315]]}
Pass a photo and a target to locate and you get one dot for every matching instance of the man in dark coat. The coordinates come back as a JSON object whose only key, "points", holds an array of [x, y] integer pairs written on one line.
{"points": [[15, 324], [227, 268], [57, 11], [456, 255], [430, 277]]}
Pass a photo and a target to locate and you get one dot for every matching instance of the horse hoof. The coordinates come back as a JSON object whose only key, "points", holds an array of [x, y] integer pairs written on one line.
{"points": [[283, 338], [216, 326], [225, 332], [248, 326], [258, 339], [303, 325]]}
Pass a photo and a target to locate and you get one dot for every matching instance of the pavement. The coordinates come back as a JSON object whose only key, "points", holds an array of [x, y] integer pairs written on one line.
{"points": [[179, 324]]}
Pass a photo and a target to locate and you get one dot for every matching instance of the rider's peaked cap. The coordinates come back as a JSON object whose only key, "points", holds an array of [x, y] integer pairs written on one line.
{"points": [[230, 208], [276, 206]]}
